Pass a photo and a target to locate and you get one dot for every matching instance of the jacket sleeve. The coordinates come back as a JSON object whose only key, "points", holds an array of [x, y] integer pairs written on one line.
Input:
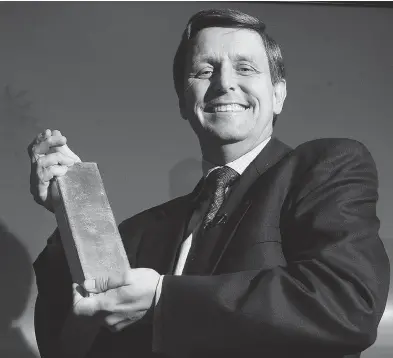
{"points": [[328, 298], [54, 298], [54, 284]]}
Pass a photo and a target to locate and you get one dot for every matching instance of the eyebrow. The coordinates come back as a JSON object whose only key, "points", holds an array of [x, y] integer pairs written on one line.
{"points": [[241, 57], [213, 59]]}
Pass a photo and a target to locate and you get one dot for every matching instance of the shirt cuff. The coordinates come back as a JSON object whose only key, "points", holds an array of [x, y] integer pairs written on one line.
{"points": [[157, 343], [158, 290]]}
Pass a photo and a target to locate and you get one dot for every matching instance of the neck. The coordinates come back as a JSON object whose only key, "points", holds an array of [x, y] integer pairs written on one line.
{"points": [[223, 153]]}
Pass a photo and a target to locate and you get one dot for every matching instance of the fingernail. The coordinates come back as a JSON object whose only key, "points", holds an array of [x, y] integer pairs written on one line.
{"points": [[90, 284]]}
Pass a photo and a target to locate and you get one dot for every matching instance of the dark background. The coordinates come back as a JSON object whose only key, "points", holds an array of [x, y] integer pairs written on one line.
{"points": [[101, 73]]}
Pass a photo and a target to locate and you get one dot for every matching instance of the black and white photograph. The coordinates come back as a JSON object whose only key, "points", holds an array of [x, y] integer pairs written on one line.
{"points": [[196, 179]]}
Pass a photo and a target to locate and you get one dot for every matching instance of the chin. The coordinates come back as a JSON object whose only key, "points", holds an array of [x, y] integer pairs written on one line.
{"points": [[225, 136]]}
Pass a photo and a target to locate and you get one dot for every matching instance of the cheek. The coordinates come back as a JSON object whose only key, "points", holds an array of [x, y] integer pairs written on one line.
{"points": [[195, 91], [260, 93]]}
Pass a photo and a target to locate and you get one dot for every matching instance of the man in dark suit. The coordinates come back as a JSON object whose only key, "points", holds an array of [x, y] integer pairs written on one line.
{"points": [[275, 253]]}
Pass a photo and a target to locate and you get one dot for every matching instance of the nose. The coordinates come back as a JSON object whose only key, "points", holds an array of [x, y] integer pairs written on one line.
{"points": [[224, 80]]}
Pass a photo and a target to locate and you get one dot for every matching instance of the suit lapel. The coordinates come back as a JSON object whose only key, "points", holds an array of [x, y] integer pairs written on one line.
{"points": [[269, 156], [162, 239], [240, 200], [274, 151]]}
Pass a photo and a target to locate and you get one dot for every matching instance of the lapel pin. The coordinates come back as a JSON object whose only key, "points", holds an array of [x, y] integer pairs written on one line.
{"points": [[221, 219]]}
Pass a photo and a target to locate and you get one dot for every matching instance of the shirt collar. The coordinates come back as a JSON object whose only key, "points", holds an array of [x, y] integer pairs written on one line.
{"points": [[240, 164]]}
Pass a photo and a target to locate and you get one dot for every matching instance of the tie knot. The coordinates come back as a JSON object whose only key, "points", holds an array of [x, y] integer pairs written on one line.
{"points": [[221, 177]]}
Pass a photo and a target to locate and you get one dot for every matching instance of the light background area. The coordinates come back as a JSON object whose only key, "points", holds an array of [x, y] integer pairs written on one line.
{"points": [[101, 73]]}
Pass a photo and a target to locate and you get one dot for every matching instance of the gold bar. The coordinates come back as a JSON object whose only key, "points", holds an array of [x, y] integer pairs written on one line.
{"points": [[87, 226]]}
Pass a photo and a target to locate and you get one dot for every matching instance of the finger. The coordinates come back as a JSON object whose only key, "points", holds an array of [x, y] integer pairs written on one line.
{"points": [[68, 152], [110, 302], [83, 305], [31, 147], [56, 140], [105, 283], [117, 322], [122, 325], [113, 319], [38, 148], [56, 132], [122, 301], [58, 170], [44, 135], [43, 147], [54, 159], [44, 177], [38, 139], [49, 173]]}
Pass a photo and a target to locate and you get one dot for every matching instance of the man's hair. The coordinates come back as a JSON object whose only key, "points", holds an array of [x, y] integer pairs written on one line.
{"points": [[231, 19]]}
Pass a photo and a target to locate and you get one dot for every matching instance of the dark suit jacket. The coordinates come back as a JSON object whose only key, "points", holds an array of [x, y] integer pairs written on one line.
{"points": [[294, 266]]}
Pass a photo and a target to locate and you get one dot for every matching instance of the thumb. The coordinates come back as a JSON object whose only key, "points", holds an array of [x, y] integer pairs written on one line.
{"points": [[105, 283], [64, 149], [67, 151]]}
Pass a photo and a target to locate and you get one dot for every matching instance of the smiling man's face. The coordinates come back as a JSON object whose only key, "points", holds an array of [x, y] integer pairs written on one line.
{"points": [[229, 96]]}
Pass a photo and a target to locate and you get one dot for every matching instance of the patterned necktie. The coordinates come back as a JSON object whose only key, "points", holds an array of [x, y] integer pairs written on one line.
{"points": [[217, 182]]}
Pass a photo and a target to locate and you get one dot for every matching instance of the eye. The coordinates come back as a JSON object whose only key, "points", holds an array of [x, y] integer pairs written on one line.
{"points": [[205, 73], [245, 69]]}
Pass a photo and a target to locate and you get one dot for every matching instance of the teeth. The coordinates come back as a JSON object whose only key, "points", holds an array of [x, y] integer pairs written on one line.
{"points": [[228, 108]]}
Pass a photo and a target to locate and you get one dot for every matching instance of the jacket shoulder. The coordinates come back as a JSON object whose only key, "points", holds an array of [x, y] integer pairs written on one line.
{"points": [[333, 145], [329, 149]]}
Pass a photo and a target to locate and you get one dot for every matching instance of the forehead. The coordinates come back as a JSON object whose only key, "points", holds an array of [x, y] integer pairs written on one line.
{"points": [[218, 42]]}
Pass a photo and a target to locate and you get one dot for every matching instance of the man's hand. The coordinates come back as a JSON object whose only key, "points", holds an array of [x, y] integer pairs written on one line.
{"points": [[50, 157], [120, 300]]}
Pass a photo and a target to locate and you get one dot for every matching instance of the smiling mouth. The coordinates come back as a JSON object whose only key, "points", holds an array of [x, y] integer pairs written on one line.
{"points": [[233, 107]]}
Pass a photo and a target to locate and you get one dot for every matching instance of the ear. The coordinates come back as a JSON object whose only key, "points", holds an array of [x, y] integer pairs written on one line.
{"points": [[279, 94]]}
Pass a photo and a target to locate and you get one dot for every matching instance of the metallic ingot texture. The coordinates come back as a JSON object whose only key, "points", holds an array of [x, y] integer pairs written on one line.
{"points": [[88, 229], [91, 241]]}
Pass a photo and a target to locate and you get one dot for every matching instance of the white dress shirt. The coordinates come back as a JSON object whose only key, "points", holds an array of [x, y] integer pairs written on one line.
{"points": [[239, 165]]}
